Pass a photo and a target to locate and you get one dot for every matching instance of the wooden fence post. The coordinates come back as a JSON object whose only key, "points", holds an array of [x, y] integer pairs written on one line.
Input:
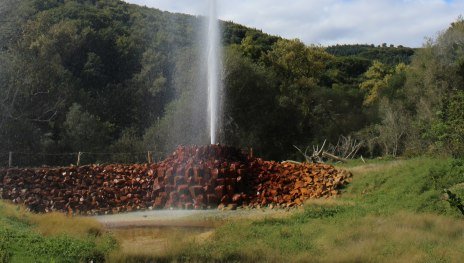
{"points": [[79, 159], [10, 159], [150, 157]]}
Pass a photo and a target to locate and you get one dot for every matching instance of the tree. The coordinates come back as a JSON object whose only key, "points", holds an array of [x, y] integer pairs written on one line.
{"points": [[433, 87], [86, 132], [252, 117], [299, 69], [454, 119], [376, 80], [394, 128]]}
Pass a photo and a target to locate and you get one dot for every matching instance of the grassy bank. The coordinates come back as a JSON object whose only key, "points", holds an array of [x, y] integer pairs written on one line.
{"points": [[26, 237], [393, 211]]}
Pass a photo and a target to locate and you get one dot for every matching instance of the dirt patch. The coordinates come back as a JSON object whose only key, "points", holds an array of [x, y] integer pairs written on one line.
{"points": [[185, 218], [154, 232]]}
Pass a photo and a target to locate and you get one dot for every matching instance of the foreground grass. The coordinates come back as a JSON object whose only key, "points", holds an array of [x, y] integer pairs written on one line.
{"points": [[27, 237], [393, 211]]}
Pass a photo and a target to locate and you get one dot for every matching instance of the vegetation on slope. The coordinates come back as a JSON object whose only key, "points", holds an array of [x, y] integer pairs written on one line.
{"points": [[107, 76], [390, 55]]}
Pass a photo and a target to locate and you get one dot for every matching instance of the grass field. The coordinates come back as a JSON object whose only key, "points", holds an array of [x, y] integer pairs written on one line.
{"points": [[393, 211], [26, 237]]}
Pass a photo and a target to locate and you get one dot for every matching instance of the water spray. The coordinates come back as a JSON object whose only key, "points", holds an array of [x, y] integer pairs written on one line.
{"points": [[213, 70]]}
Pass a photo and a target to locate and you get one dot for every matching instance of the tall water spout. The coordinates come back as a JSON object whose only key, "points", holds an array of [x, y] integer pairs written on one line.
{"points": [[213, 70]]}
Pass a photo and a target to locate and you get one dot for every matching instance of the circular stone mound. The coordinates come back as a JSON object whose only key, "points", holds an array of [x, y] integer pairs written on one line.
{"points": [[193, 177]]}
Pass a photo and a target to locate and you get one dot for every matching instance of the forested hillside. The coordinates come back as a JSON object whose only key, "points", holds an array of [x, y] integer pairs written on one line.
{"points": [[390, 55], [106, 76]]}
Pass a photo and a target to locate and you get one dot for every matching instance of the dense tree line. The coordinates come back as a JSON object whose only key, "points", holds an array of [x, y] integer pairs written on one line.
{"points": [[103, 75], [421, 105], [387, 54]]}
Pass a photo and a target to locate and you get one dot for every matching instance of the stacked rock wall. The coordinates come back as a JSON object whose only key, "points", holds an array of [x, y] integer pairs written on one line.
{"points": [[191, 178]]}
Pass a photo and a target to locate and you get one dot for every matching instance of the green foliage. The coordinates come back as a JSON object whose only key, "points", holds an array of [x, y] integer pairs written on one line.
{"points": [[444, 132], [386, 55], [455, 122], [376, 81], [433, 93], [129, 141], [419, 106], [135, 68], [299, 89], [250, 121], [84, 131], [455, 201], [447, 175], [179, 126], [256, 44], [254, 39], [383, 81]]}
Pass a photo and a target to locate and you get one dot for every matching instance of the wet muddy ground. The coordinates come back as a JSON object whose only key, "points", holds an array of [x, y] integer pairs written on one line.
{"points": [[155, 230]]}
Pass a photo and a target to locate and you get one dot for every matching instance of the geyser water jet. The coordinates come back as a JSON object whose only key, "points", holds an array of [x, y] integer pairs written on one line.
{"points": [[213, 70]]}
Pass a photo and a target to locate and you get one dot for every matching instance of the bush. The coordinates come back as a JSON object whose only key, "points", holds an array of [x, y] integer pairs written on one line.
{"points": [[447, 175]]}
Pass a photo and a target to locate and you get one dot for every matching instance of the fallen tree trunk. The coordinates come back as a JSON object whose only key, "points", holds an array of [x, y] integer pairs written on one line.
{"points": [[334, 157]]}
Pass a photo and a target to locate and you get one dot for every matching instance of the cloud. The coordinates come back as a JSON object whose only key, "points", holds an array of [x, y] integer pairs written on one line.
{"points": [[399, 22]]}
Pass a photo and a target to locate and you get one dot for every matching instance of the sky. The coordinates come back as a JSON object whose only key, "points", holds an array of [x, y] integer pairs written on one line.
{"points": [[329, 22]]}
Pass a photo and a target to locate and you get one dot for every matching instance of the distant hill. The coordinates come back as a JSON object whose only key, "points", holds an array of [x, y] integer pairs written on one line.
{"points": [[390, 55]]}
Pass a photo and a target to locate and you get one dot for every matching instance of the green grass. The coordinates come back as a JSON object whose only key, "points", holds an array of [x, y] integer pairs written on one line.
{"points": [[26, 237], [398, 185], [393, 211]]}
